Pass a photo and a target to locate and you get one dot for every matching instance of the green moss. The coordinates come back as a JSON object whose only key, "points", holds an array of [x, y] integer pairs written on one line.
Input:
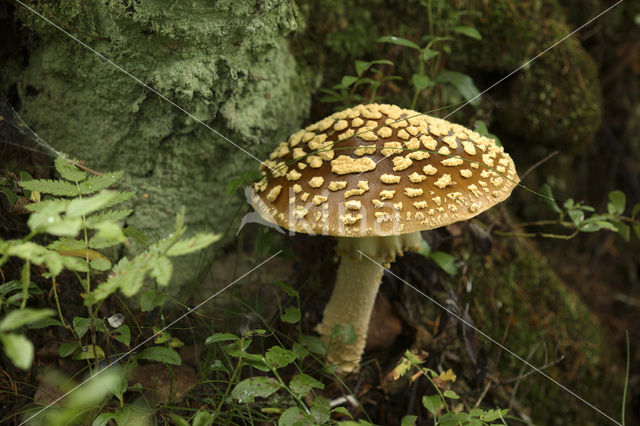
{"points": [[555, 100], [518, 291], [227, 62]]}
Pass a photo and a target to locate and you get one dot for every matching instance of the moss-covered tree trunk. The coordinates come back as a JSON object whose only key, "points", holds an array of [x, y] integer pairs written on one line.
{"points": [[226, 62]]}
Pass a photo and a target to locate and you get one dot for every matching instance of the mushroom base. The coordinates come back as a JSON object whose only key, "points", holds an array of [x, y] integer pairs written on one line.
{"points": [[354, 294]]}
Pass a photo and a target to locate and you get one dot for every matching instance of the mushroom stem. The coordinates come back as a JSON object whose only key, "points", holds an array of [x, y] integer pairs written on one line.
{"points": [[355, 291], [351, 302]]}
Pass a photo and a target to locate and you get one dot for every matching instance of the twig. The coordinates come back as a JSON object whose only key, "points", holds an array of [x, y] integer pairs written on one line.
{"points": [[537, 234], [539, 163]]}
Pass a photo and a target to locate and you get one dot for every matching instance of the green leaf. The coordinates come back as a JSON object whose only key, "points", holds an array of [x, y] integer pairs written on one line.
{"points": [[108, 216], [549, 201], [179, 421], [399, 41], [409, 420], [138, 236], [123, 334], [432, 403], [491, 415], [150, 299], [617, 202], [57, 205], [217, 365], [66, 244], [292, 416], [635, 211], [97, 183], [161, 270], [220, 337], [453, 419], [54, 224], [591, 225], [445, 261], [43, 323], [233, 185], [361, 67], [120, 197], [193, 244], [108, 234], [67, 349], [69, 171], [301, 384], [314, 344], [100, 264], [291, 315], [636, 229], [87, 352], [451, 394], [54, 187], [320, 410], [279, 357], [81, 326], [18, 349], [248, 389], [343, 411], [577, 216], [125, 275], [104, 418], [287, 288], [421, 81], [84, 206], [18, 318], [11, 196], [468, 31], [202, 418], [463, 84], [94, 390], [348, 80], [428, 54], [621, 228], [160, 354]]}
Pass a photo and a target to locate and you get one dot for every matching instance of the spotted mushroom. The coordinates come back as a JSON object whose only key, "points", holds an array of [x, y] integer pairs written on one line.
{"points": [[374, 176]]}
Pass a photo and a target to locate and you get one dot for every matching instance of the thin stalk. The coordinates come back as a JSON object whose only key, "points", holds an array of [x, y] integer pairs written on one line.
{"points": [[55, 296], [537, 234], [626, 380], [229, 384]]}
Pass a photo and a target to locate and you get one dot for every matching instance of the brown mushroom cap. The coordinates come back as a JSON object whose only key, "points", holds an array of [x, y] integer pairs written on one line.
{"points": [[382, 170]]}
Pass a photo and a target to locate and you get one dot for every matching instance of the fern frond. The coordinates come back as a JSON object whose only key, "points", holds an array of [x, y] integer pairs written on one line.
{"points": [[47, 186], [68, 171], [110, 215], [41, 256], [119, 198], [57, 205], [193, 244], [66, 244], [100, 243], [96, 183]]}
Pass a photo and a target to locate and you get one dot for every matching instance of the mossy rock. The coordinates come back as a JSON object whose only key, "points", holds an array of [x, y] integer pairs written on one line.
{"points": [[516, 290], [228, 63], [555, 100]]}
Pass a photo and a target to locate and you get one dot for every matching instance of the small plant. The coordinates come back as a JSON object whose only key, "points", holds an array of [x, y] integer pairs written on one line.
{"points": [[439, 404], [444, 23], [578, 217], [431, 78], [345, 93], [76, 220]]}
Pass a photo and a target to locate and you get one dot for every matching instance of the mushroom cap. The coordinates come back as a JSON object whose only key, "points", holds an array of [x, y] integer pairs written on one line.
{"points": [[377, 170]]}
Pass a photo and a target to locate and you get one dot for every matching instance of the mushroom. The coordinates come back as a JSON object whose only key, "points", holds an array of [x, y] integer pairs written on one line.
{"points": [[375, 176]]}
